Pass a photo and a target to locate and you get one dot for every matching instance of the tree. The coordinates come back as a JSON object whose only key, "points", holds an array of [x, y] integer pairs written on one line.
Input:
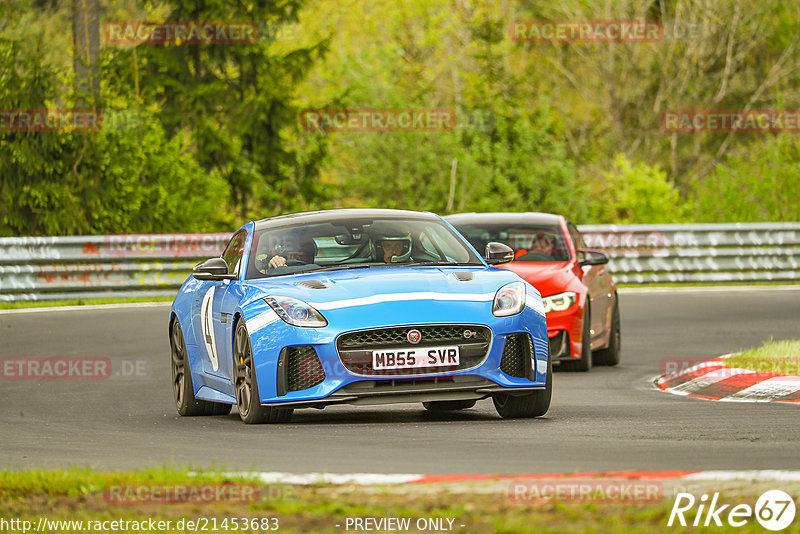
{"points": [[243, 119]]}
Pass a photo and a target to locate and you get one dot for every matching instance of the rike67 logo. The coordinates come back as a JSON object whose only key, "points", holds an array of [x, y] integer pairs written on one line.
{"points": [[774, 510]]}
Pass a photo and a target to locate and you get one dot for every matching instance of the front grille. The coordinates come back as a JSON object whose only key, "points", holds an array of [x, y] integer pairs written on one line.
{"points": [[355, 348], [517, 356], [303, 368]]}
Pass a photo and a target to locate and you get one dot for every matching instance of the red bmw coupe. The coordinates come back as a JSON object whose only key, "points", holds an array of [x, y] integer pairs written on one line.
{"points": [[579, 295]]}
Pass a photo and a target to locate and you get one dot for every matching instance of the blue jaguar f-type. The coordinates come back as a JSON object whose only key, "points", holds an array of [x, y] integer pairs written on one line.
{"points": [[357, 307]]}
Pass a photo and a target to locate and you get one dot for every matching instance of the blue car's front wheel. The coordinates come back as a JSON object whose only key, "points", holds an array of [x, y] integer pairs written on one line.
{"points": [[248, 399], [529, 405], [183, 389]]}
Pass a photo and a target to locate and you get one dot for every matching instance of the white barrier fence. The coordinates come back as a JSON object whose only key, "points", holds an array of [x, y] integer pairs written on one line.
{"points": [[56, 268]]}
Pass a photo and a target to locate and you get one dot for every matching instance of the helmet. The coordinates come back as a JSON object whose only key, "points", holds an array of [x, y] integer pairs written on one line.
{"points": [[402, 246], [304, 248], [291, 246]]}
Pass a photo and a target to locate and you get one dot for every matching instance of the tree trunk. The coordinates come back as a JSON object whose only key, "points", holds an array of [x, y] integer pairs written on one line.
{"points": [[86, 49]]}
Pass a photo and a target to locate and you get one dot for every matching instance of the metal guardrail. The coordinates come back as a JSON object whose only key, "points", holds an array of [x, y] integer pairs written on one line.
{"points": [[153, 265], [737, 252], [112, 266]]}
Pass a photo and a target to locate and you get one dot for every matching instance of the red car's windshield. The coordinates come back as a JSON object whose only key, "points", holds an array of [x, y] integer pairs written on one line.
{"points": [[530, 242]]}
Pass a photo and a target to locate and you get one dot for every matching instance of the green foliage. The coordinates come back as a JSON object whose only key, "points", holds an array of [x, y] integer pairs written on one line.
{"points": [[112, 180], [242, 118], [640, 193], [523, 166], [221, 140], [760, 182]]}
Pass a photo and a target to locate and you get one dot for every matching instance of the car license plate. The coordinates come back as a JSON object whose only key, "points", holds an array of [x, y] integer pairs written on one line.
{"points": [[415, 358]]}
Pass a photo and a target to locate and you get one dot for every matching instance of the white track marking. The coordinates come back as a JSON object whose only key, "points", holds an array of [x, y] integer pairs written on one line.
{"points": [[764, 475], [366, 479], [89, 307], [705, 289], [362, 479], [768, 390], [707, 379]]}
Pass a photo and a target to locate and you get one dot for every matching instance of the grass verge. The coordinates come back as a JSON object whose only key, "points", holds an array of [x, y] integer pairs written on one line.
{"points": [[487, 506], [780, 357]]}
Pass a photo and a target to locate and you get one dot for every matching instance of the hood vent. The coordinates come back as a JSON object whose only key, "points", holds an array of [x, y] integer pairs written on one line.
{"points": [[312, 284], [463, 276]]}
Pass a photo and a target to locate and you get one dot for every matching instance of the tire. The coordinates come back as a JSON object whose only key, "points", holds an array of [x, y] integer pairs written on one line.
{"points": [[610, 355], [583, 364], [246, 384], [182, 387], [534, 404], [448, 406]]}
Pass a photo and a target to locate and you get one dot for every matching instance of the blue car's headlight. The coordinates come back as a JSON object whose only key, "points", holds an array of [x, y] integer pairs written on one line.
{"points": [[296, 312], [559, 302], [509, 299]]}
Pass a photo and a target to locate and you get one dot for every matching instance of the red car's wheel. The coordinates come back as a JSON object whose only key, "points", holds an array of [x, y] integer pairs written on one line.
{"points": [[610, 355]]}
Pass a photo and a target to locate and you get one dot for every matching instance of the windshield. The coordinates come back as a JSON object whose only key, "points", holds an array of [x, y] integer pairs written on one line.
{"points": [[540, 242], [355, 244]]}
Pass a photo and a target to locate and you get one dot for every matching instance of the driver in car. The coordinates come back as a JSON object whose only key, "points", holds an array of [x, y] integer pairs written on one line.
{"points": [[395, 249], [303, 250]]}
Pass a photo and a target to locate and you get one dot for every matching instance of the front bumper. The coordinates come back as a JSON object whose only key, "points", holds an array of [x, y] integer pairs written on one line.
{"points": [[375, 392], [341, 386], [564, 330]]}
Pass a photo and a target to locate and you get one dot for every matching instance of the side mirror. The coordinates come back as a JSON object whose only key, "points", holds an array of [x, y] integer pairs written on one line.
{"points": [[212, 269], [592, 257], [497, 253]]}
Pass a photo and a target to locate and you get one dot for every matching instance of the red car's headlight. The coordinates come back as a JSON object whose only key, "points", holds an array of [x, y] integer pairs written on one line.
{"points": [[559, 302]]}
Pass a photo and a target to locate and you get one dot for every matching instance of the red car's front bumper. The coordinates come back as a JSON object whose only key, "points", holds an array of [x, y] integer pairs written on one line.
{"points": [[564, 329]]}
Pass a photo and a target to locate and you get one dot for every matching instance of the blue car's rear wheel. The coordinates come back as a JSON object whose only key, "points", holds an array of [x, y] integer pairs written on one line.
{"points": [[182, 387], [248, 399]]}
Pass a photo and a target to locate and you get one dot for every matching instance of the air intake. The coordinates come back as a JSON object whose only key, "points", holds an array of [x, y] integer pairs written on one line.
{"points": [[517, 356], [312, 284], [298, 368]]}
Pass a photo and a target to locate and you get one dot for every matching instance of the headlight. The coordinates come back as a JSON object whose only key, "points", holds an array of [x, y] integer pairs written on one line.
{"points": [[296, 312], [509, 299], [559, 302]]}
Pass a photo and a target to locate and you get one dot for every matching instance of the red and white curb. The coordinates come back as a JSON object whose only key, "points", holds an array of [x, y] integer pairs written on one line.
{"points": [[713, 380], [369, 479]]}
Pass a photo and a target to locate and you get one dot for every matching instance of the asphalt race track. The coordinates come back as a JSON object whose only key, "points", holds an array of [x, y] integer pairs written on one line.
{"points": [[608, 419]]}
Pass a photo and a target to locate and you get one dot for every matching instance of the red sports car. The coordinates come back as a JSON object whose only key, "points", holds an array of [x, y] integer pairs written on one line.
{"points": [[579, 295]]}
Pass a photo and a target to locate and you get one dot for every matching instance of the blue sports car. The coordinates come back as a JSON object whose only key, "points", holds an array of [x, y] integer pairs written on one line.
{"points": [[357, 307]]}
